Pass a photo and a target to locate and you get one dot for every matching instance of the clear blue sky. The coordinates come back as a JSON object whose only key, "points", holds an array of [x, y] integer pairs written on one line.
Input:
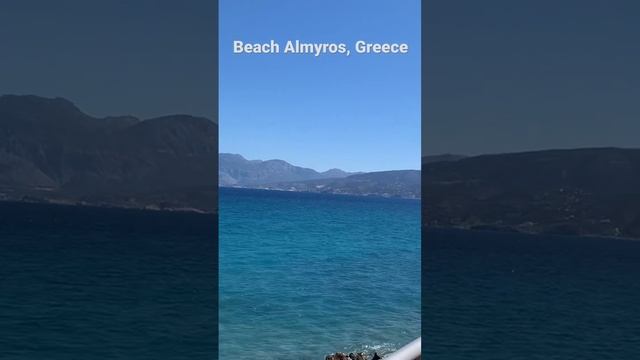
{"points": [[506, 76], [144, 58], [357, 113]]}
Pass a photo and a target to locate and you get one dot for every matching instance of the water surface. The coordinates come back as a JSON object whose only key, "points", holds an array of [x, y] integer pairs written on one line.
{"points": [[303, 275], [89, 283], [493, 296]]}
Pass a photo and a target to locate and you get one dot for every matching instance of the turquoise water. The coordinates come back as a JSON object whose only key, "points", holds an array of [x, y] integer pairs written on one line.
{"points": [[303, 275], [87, 283]]}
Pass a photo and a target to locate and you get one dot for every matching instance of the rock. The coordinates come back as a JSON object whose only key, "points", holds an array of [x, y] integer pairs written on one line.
{"points": [[343, 356], [337, 356]]}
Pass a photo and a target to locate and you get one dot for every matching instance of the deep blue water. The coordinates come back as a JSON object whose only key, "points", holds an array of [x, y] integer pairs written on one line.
{"points": [[494, 296], [83, 283], [89, 283], [303, 275]]}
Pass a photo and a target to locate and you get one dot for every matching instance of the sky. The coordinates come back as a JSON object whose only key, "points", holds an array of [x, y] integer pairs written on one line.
{"points": [[500, 76], [506, 76], [144, 58], [356, 113]]}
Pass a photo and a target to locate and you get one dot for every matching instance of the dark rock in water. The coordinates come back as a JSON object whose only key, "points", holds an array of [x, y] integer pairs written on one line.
{"points": [[376, 357], [343, 356], [337, 356]]}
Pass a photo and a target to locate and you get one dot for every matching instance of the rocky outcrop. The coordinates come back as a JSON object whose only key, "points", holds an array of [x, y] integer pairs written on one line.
{"points": [[343, 356]]}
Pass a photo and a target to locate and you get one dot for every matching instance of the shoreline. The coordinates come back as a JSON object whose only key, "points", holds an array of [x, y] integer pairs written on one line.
{"points": [[149, 208], [324, 193], [191, 210]]}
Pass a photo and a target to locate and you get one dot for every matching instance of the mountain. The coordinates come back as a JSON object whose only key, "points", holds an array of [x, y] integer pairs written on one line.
{"points": [[442, 157], [51, 151], [579, 192], [396, 184], [235, 170]]}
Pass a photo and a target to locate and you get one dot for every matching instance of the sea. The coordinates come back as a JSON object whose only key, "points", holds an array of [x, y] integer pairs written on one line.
{"points": [[507, 296], [303, 275], [338, 274], [94, 284]]}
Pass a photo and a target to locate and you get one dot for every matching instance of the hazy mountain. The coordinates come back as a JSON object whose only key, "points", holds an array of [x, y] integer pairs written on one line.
{"points": [[397, 183], [51, 151], [582, 191], [235, 170]]}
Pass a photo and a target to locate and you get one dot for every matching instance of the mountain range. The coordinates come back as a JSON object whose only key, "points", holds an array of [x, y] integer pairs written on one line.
{"points": [[391, 184], [235, 170], [51, 151], [577, 192]]}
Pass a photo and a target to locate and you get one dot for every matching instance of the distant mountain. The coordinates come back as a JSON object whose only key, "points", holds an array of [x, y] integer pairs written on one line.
{"points": [[581, 191], [443, 157], [396, 184], [51, 151], [235, 170]]}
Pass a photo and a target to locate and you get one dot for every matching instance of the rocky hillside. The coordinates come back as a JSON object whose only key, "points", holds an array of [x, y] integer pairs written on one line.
{"points": [[235, 170], [51, 151], [581, 191], [393, 184]]}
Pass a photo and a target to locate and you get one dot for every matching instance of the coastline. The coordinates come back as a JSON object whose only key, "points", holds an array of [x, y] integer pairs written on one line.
{"points": [[369, 196], [198, 211], [26, 197], [150, 208]]}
